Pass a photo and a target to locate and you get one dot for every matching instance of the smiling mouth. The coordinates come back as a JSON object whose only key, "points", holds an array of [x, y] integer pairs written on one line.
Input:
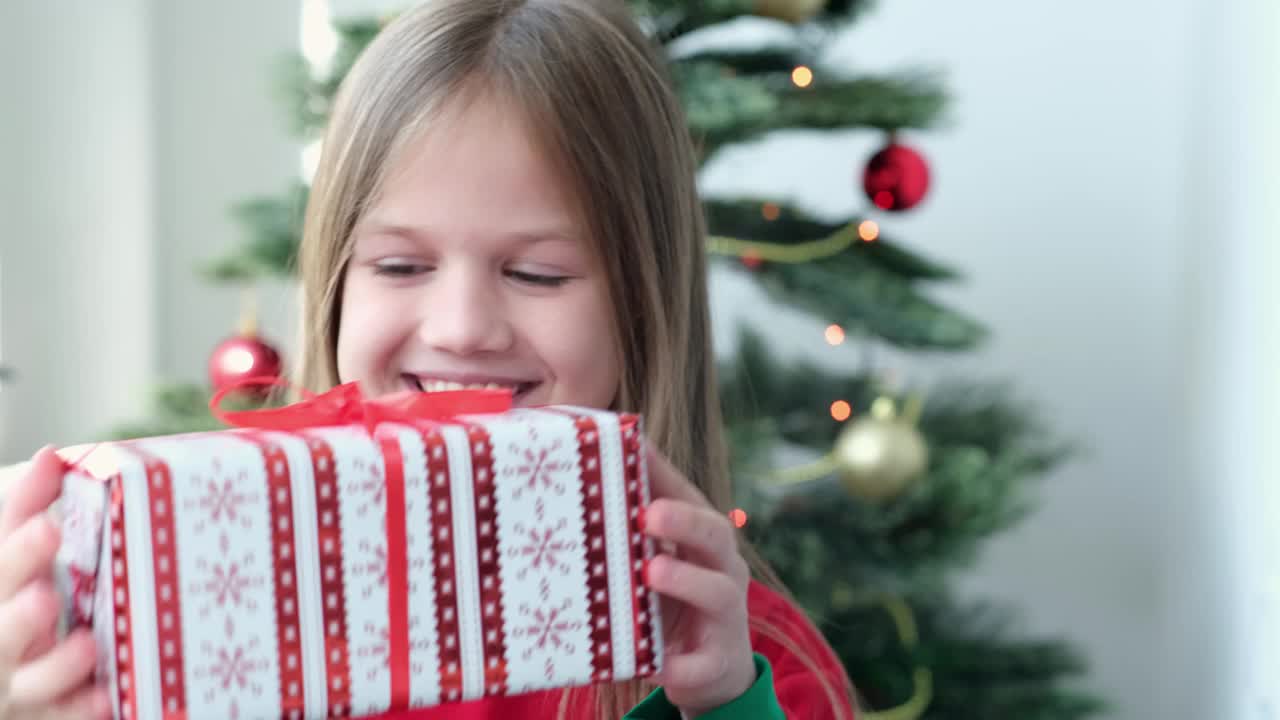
{"points": [[428, 384]]}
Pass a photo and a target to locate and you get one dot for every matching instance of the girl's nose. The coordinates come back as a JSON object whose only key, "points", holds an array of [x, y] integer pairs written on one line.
{"points": [[465, 313]]}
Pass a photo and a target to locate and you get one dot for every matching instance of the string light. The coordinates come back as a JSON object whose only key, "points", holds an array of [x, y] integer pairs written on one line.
{"points": [[834, 335], [802, 76], [771, 212], [869, 231], [738, 517], [840, 410]]}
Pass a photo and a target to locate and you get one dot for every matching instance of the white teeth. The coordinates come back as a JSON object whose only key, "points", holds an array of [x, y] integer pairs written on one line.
{"points": [[445, 385]]}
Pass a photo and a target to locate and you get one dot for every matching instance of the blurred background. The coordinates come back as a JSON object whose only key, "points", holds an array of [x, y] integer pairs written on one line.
{"points": [[1103, 178]]}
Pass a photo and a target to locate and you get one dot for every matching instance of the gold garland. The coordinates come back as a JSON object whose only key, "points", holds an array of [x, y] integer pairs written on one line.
{"points": [[832, 245], [922, 677]]}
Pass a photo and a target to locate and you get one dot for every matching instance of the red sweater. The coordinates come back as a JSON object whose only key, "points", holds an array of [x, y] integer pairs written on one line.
{"points": [[798, 689]]}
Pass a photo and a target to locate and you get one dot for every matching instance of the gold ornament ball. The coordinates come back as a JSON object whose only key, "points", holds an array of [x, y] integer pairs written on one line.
{"points": [[879, 456], [792, 11]]}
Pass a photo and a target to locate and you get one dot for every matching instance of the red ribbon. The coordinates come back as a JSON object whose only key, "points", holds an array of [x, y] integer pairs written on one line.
{"points": [[397, 574], [346, 405]]}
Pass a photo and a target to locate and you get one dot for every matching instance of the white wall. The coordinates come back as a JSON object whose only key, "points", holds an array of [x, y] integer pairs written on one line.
{"points": [[133, 131], [76, 236], [1097, 184], [223, 138], [1233, 414], [1064, 188]]}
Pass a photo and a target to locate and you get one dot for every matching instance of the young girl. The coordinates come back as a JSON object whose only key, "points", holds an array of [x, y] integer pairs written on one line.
{"points": [[507, 198]]}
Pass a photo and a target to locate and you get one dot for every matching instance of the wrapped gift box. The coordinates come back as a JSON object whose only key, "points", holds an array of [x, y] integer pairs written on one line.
{"points": [[385, 561]]}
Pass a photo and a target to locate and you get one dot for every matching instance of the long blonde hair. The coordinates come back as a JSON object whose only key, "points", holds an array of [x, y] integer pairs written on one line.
{"points": [[593, 88]]}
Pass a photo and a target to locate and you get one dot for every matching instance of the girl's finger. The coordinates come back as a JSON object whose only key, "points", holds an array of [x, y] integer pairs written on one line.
{"points": [[43, 643], [693, 670], [712, 592], [28, 616], [26, 554], [56, 673], [91, 702], [667, 482], [33, 492], [703, 535]]}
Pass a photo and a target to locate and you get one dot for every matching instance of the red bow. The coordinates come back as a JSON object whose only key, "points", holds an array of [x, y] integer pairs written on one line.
{"points": [[346, 405]]}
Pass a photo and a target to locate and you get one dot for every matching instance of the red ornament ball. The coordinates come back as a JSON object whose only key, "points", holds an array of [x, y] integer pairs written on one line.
{"points": [[896, 178], [241, 357]]}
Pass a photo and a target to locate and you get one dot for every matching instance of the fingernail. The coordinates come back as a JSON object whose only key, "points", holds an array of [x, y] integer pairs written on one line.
{"points": [[644, 572]]}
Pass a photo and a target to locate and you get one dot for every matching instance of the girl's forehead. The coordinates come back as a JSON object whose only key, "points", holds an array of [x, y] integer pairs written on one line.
{"points": [[478, 157]]}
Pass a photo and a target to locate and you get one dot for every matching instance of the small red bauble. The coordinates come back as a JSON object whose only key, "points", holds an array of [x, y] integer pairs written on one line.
{"points": [[896, 178], [241, 357]]}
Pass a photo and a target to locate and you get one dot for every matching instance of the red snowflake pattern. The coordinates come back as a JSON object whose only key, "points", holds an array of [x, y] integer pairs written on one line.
{"points": [[544, 548], [548, 628], [82, 521], [222, 499], [226, 585], [417, 566], [537, 464], [371, 486], [232, 667], [373, 570], [416, 647]]}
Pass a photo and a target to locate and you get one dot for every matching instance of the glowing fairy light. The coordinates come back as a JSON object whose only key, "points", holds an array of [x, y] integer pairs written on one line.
{"points": [[840, 410], [834, 334], [311, 160], [319, 39]]}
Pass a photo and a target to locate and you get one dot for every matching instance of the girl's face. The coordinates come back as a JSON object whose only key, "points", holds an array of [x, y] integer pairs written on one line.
{"points": [[473, 270]]}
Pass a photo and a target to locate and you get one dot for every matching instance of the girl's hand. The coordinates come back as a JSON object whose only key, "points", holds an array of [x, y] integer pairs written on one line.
{"points": [[40, 679], [703, 583]]}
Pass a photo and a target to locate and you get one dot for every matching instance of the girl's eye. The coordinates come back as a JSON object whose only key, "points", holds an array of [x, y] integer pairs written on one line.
{"points": [[538, 279], [399, 268]]}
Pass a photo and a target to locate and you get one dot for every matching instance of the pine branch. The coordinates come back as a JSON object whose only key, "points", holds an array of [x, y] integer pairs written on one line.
{"points": [[175, 409], [670, 20], [742, 218], [864, 298], [309, 96], [984, 450], [273, 226], [981, 667], [724, 107], [773, 60], [179, 408], [673, 19], [904, 100]]}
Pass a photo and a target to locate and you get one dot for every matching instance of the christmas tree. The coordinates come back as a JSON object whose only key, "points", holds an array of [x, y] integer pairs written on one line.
{"points": [[900, 484]]}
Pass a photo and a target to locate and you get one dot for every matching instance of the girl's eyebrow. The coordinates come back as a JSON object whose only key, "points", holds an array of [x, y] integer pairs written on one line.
{"points": [[422, 235]]}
